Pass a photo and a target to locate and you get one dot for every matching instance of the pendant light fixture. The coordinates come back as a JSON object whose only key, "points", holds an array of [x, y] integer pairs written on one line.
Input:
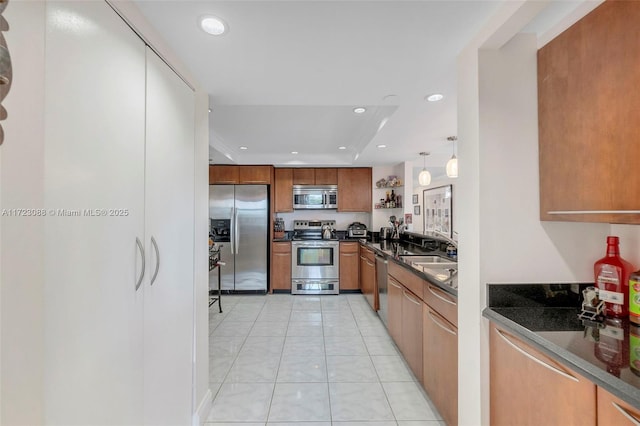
{"points": [[452, 164], [424, 178]]}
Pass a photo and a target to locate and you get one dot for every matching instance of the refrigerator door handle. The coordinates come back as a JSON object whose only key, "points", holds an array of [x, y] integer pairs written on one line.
{"points": [[233, 230], [236, 231]]}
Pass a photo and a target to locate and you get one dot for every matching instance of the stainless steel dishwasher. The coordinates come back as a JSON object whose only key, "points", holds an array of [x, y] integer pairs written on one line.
{"points": [[381, 275]]}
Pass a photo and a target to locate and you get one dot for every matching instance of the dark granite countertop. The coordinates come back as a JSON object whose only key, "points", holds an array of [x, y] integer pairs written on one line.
{"points": [[393, 250], [546, 316]]}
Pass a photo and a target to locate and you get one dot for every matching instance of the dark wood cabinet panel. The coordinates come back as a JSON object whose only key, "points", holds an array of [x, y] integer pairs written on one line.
{"points": [[529, 388], [283, 182], [326, 176], [304, 176], [589, 118], [255, 174], [349, 266], [223, 174], [354, 189], [281, 266]]}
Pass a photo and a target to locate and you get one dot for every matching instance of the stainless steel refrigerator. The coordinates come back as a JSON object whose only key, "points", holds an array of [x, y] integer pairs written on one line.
{"points": [[244, 211]]}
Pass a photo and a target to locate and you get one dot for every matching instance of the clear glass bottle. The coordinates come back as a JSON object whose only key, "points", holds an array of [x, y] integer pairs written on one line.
{"points": [[612, 279]]}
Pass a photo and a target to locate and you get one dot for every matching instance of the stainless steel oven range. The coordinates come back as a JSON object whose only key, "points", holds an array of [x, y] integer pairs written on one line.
{"points": [[315, 258]]}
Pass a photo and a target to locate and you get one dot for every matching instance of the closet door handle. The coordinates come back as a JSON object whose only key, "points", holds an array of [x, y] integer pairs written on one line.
{"points": [[155, 273], [534, 359], [139, 244]]}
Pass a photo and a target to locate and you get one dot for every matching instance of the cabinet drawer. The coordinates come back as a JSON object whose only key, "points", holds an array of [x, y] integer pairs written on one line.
{"points": [[282, 247], [412, 282], [441, 301], [349, 247], [612, 411]]}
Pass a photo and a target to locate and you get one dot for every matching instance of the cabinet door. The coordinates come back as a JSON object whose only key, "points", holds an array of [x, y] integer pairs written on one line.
{"points": [[222, 174], [368, 272], [326, 176], [304, 177], [529, 388], [281, 266], [354, 190], [255, 174], [94, 159], [612, 411], [411, 342], [394, 309], [349, 266], [169, 240], [440, 363], [283, 190], [586, 113]]}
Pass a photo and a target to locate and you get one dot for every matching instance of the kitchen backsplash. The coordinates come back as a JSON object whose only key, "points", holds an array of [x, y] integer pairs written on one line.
{"points": [[342, 219]]}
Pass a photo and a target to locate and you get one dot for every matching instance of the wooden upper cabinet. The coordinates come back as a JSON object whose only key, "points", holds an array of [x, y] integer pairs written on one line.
{"points": [[304, 177], [326, 176], [223, 174], [227, 174], [317, 176], [589, 118], [354, 189], [255, 174], [283, 182]]}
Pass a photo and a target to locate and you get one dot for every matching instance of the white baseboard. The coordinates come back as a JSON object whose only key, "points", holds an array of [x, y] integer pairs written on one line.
{"points": [[202, 413]]}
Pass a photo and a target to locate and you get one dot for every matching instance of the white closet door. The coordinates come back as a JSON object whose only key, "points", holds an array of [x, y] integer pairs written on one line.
{"points": [[169, 187], [94, 159]]}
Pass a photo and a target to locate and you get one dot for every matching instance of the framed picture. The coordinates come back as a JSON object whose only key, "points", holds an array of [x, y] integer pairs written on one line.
{"points": [[415, 198], [438, 212], [408, 219], [416, 210]]}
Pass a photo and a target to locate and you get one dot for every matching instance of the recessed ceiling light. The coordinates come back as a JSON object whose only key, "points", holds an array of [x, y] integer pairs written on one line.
{"points": [[212, 25], [342, 147], [381, 146], [243, 148], [209, 109], [359, 110], [435, 97], [294, 152]]}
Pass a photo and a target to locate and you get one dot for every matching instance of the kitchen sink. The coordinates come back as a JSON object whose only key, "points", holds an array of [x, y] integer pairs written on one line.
{"points": [[432, 261]]}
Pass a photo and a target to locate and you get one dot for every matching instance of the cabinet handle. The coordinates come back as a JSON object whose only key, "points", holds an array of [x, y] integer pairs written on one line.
{"points": [[439, 324], [411, 298], [532, 358], [139, 244], [369, 263], [627, 414], [444, 299], [395, 285], [594, 212], [155, 273]]}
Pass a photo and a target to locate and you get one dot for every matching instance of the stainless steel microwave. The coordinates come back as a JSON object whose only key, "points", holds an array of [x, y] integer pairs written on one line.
{"points": [[315, 197]]}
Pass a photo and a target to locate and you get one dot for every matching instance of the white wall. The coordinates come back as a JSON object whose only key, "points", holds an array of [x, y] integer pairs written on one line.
{"points": [[21, 171]]}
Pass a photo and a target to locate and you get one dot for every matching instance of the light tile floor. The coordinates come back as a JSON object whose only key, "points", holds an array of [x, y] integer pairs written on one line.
{"points": [[282, 360]]}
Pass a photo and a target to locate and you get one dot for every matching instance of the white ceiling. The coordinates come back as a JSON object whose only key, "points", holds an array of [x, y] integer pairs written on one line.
{"points": [[288, 74]]}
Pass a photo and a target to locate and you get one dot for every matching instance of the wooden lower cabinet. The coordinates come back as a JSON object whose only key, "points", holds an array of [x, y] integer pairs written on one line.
{"points": [[529, 388], [281, 265], [349, 266], [440, 363], [368, 284], [394, 309], [612, 411], [411, 341]]}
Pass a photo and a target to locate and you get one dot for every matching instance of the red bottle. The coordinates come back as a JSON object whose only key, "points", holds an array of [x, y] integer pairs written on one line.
{"points": [[612, 279]]}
